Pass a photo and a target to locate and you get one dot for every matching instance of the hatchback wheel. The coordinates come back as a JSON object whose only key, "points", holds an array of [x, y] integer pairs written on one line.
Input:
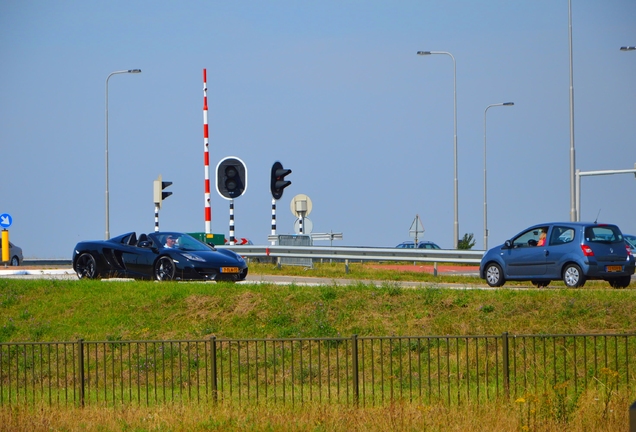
{"points": [[621, 282], [164, 269], [15, 261], [573, 276], [494, 275]]}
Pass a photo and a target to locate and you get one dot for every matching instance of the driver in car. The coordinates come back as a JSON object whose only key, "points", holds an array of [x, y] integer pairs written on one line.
{"points": [[170, 242]]}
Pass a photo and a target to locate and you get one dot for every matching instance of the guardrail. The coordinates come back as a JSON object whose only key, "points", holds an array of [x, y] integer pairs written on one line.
{"points": [[345, 254]]}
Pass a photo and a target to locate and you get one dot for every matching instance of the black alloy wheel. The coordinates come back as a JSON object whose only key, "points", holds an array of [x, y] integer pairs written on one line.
{"points": [[164, 269], [86, 267]]}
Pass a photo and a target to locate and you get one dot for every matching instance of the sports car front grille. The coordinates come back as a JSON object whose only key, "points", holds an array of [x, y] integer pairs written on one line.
{"points": [[206, 273]]}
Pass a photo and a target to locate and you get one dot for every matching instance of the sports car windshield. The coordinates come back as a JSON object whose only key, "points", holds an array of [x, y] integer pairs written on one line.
{"points": [[180, 241]]}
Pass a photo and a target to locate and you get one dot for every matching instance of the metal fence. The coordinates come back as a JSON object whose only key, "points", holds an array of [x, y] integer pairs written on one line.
{"points": [[354, 370]]}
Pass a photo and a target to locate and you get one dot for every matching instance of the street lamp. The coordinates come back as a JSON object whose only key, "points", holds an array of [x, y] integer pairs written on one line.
{"points": [[485, 189], [628, 48], [134, 71], [456, 223]]}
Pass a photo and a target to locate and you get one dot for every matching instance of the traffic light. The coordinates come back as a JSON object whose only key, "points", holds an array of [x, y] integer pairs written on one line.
{"points": [[231, 178], [158, 190], [278, 182]]}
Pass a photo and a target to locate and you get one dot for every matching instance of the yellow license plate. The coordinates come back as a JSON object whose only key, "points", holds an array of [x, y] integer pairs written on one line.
{"points": [[615, 268], [229, 270]]}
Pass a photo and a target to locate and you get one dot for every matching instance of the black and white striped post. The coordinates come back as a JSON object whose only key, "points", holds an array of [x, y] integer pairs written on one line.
{"points": [[232, 222], [273, 242], [156, 217]]}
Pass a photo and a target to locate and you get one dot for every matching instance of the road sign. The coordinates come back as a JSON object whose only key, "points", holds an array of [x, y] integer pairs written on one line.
{"points": [[416, 227], [5, 220], [300, 205]]}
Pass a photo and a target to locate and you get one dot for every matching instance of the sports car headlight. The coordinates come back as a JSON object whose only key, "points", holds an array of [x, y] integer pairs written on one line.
{"points": [[192, 257]]}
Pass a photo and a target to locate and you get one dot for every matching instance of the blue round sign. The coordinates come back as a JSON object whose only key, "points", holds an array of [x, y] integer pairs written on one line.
{"points": [[5, 220]]}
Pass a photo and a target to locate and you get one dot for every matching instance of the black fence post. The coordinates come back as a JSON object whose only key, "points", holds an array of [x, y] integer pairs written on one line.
{"points": [[80, 357], [506, 364], [214, 376], [354, 365]]}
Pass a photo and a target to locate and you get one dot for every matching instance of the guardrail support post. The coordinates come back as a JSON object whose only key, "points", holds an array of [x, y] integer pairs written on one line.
{"points": [[435, 268], [346, 266]]}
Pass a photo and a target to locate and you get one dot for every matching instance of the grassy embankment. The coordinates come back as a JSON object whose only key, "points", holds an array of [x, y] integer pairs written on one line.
{"points": [[94, 310]]}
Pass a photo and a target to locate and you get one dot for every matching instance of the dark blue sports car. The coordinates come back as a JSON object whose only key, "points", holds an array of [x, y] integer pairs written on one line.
{"points": [[159, 256]]}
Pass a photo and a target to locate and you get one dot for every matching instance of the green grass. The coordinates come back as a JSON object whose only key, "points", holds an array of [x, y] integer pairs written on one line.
{"points": [[55, 310]]}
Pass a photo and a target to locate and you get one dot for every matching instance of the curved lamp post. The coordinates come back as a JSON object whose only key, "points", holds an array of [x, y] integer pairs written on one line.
{"points": [[133, 71], [628, 48], [456, 223], [485, 189]]}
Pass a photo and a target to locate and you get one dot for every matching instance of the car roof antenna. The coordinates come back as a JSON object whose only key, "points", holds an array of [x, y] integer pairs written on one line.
{"points": [[597, 215]]}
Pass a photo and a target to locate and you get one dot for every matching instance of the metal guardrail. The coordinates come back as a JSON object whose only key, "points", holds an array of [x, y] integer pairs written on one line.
{"points": [[361, 253], [455, 256], [451, 370]]}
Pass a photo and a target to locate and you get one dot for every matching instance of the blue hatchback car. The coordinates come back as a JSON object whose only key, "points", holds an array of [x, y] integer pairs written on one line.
{"points": [[570, 251]]}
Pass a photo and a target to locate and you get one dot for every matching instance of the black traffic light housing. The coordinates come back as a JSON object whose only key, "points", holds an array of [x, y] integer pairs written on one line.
{"points": [[158, 192], [231, 178], [278, 182]]}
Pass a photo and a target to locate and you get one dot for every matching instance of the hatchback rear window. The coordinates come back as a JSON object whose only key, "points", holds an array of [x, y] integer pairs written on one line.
{"points": [[603, 234]]}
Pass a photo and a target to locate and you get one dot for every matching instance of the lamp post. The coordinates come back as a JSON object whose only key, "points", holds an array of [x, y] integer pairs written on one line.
{"points": [[134, 71], [628, 48], [456, 222], [485, 189]]}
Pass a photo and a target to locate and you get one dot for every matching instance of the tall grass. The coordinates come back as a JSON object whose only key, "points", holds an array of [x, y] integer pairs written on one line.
{"points": [[589, 414]]}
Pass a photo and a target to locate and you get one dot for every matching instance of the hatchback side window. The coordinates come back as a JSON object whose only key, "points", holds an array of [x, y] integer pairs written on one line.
{"points": [[529, 238], [561, 235]]}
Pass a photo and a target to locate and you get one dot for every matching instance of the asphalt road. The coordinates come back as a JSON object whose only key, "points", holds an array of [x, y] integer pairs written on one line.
{"points": [[67, 273]]}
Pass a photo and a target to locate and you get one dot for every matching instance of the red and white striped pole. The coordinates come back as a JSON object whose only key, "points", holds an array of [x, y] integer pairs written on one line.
{"points": [[206, 156]]}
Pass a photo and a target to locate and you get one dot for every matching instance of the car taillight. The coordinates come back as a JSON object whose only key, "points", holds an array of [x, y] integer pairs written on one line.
{"points": [[587, 251], [629, 250]]}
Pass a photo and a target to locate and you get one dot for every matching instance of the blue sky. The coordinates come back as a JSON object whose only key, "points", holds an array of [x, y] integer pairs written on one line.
{"points": [[332, 89]]}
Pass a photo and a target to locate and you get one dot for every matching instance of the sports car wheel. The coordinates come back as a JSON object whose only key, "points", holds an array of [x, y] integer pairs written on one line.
{"points": [[86, 267], [622, 282], [164, 269], [573, 277], [15, 261], [494, 275]]}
